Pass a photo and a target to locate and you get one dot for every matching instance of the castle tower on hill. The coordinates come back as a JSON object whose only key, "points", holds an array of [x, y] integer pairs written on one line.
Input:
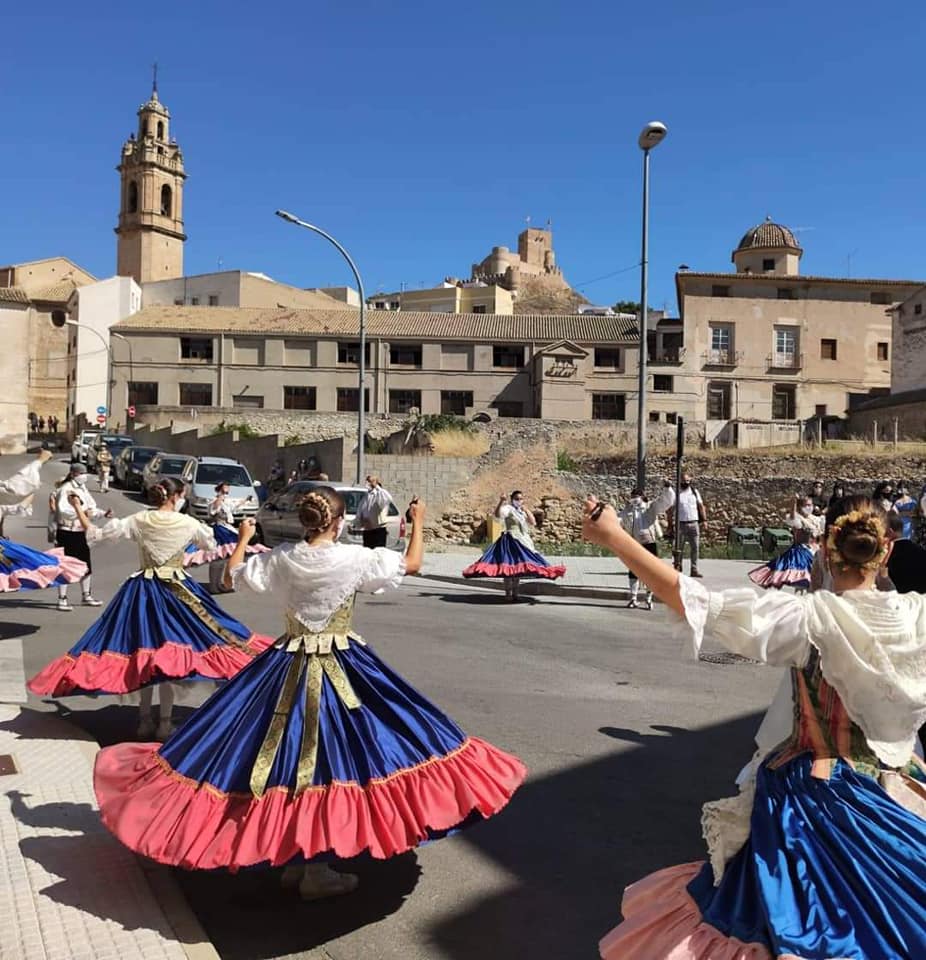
{"points": [[535, 259], [150, 230]]}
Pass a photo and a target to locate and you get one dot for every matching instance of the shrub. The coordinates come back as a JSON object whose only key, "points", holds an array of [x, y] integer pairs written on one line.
{"points": [[441, 423], [245, 430], [565, 462]]}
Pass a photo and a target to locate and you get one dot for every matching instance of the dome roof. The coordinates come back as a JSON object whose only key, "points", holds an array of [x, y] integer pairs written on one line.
{"points": [[768, 235], [154, 105]]}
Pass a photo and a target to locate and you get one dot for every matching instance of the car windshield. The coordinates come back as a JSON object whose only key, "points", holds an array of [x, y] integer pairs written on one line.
{"points": [[172, 465], [119, 443], [142, 454], [230, 473]]}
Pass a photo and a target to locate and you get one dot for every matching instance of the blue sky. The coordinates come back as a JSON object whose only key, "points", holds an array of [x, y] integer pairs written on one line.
{"points": [[421, 134]]}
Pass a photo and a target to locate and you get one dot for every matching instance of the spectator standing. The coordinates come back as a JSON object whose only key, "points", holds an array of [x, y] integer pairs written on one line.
{"points": [[372, 512], [640, 519], [839, 491], [819, 499], [883, 496], [689, 512], [906, 565], [906, 508], [71, 535], [104, 466], [41, 424]]}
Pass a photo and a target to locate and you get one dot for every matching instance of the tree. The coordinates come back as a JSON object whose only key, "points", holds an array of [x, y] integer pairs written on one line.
{"points": [[627, 306]]}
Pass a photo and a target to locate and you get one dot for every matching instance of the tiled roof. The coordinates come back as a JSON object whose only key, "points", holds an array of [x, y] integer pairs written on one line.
{"points": [[768, 235], [387, 324], [59, 292], [13, 295], [778, 278]]}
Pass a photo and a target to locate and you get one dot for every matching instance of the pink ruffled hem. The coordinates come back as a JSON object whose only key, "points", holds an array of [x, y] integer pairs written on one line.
{"points": [[165, 816], [113, 673], [765, 577], [490, 570], [70, 568], [199, 557], [662, 922]]}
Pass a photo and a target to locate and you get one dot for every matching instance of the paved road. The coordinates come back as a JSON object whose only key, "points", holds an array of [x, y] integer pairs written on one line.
{"points": [[624, 739]]}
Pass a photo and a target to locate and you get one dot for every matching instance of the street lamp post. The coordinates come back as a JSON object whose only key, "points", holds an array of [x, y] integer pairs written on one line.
{"points": [[651, 136], [361, 404]]}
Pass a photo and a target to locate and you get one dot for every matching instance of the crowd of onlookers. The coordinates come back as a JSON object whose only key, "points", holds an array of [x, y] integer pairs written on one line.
{"points": [[39, 424], [893, 498]]}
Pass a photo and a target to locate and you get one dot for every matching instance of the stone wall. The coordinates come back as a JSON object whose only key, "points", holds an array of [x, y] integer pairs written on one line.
{"points": [[908, 409], [432, 479]]}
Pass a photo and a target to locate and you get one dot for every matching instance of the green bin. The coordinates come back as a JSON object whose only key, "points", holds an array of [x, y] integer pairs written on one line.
{"points": [[775, 540], [743, 544]]}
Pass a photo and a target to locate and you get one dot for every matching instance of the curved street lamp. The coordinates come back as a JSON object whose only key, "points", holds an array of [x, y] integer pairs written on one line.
{"points": [[651, 136], [361, 404]]}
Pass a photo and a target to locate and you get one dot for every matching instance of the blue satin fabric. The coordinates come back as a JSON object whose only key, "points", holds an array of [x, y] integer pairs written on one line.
{"points": [[833, 868], [797, 557], [15, 557], [394, 728], [144, 613], [509, 550]]}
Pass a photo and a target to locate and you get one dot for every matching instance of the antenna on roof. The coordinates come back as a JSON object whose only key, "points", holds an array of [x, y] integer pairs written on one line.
{"points": [[154, 78]]}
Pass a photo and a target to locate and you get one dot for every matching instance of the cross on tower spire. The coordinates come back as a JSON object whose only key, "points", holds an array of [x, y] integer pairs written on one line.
{"points": [[154, 81]]}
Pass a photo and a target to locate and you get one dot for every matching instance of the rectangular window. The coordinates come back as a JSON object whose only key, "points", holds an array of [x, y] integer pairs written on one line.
{"points": [[671, 418], [882, 351], [662, 383], [718, 401], [828, 349], [768, 263], [654, 416], [819, 410], [880, 297], [785, 293], [248, 350], [298, 353], [456, 356], [380, 305], [608, 358], [250, 401], [196, 348], [143, 393], [455, 402], [721, 350], [720, 290], [178, 301], [195, 394], [298, 398], [401, 401], [194, 301], [511, 358], [608, 406], [783, 401], [348, 399], [350, 353], [785, 347], [917, 308], [479, 308], [405, 355], [213, 299]]}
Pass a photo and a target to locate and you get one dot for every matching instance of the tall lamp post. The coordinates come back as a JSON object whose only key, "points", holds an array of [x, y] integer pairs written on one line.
{"points": [[361, 403], [651, 136]]}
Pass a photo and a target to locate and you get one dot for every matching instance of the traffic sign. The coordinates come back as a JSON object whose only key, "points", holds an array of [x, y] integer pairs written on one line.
{"points": [[131, 413], [101, 418], [101, 410]]}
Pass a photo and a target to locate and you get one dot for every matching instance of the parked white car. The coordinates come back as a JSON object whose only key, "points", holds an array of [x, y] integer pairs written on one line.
{"points": [[200, 477], [81, 445]]}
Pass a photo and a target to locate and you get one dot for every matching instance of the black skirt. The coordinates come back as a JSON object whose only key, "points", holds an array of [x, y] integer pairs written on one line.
{"points": [[74, 543]]}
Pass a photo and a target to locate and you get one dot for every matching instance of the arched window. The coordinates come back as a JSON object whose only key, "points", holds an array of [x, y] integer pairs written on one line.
{"points": [[166, 201], [133, 197], [160, 129]]}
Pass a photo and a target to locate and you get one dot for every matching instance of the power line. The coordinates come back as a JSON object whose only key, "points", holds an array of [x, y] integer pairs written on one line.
{"points": [[607, 276]]}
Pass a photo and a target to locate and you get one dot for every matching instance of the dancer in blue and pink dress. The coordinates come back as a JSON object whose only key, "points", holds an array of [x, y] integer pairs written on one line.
{"points": [[318, 749], [792, 567], [512, 557]]}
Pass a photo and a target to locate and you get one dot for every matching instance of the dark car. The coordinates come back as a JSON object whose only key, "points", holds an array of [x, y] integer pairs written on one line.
{"points": [[128, 466], [164, 465], [116, 442]]}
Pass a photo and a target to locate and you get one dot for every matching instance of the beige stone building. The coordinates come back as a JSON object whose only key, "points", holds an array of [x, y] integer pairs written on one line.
{"points": [[45, 287], [767, 343], [236, 288], [150, 228], [555, 367], [14, 372], [534, 258], [452, 296]]}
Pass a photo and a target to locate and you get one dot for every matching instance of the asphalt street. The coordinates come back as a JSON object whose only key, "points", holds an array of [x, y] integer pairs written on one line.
{"points": [[625, 738]]}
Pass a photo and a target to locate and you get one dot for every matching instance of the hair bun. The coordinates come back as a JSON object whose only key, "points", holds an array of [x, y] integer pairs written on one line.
{"points": [[315, 512], [858, 539]]}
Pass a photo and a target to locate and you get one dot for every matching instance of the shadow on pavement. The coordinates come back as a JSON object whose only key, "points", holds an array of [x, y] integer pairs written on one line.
{"points": [[575, 839], [238, 912], [9, 631]]}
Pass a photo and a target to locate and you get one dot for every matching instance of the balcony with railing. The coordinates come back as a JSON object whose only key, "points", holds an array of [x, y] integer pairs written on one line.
{"points": [[786, 361], [721, 358], [671, 357]]}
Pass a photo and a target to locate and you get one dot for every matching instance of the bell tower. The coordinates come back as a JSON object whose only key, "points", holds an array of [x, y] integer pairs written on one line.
{"points": [[150, 230]]}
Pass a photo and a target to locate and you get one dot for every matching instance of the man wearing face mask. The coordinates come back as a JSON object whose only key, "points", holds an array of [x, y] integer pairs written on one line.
{"points": [[70, 534], [639, 519], [372, 513], [690, 513]]}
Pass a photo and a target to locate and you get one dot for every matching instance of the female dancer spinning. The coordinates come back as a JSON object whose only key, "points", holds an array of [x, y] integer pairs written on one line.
{"points": [[821, 856], [21, 567], [318, 749], [160, 626], [792, 568], [513, 556]]}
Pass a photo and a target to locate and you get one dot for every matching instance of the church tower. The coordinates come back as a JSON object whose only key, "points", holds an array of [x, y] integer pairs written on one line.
{"points": [[150, 231]]}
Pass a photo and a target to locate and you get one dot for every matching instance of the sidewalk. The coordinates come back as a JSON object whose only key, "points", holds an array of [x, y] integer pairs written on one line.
{"points": [[592, 577], [68, 889]]}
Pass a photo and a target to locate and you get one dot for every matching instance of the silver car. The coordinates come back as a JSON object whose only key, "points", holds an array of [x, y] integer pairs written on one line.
{"points": [[164, 465], [278, 518], [200, 477]]}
